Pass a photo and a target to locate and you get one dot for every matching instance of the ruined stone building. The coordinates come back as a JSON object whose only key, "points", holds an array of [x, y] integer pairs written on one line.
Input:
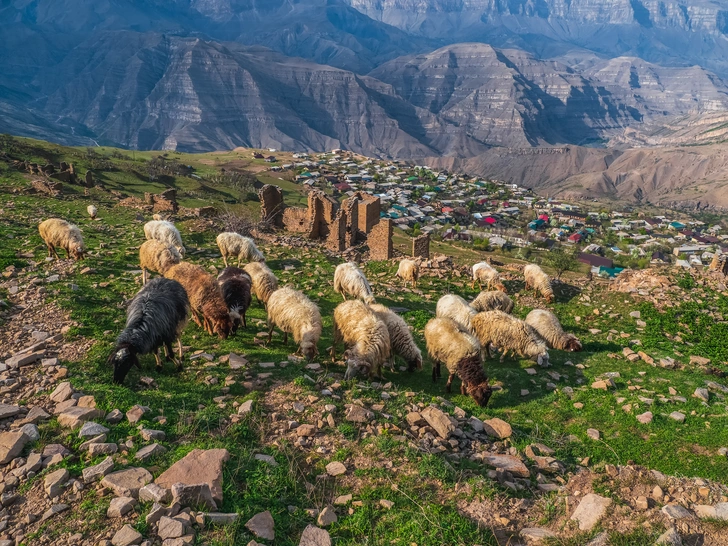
{"points": [[340, 225]]}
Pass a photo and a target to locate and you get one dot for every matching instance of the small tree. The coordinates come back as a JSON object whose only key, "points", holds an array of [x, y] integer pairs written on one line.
{"points": [[561, 261]]}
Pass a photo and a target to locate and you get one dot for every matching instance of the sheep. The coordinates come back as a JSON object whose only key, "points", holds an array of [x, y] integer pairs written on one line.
{"points": [[539, 281], [349, 279], [264, 281], [158, 257], [483, 272], [366, 336], [460, 352], [400, 337], [293, 312], [495, 299], [549, 328], [233, 244], [56, 232], [456, 308], [236, 286], [408, 270], [496, 329], [92, 211], [155, 317], [164, 231], [205, 298]]}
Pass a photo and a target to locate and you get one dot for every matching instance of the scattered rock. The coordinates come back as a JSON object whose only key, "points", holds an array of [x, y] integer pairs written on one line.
{"points": [[358, 414], [335, 468], [114, 417], [313, 536], [245, 408], [120, 506], [438, 420], [510, 463], [702, 394], [11, 444], [677, 416], [75, 417], [150, 451], [54, 482], [669, 538], [327, 516], [154, 493], [126, 536], [198, 466], [217, 518], [497, 428], [536, 535], [590, 511], [127, 482], [62, 392], [645, 418], [593, 433], [170, 528], [193, 495], [91, 429], [675, 511], [262, 526]]}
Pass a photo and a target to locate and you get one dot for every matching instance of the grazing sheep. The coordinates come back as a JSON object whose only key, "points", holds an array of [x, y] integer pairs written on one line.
{"points": [[164, 231], [293, 312], [157, 216], [205, 298], [495, 299], [539, 281], [92, 211], [349, 279], [549, 328], [484, 273], [155, 317], [59, 233], [233, 244], [460, 352], [496, 329], [264, 281], [456, 308], [366, 336], [408, 271], [400, 337], [236, 287], [158, 257]]}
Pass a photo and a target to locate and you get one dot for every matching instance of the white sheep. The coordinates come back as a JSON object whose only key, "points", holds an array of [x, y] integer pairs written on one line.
{"points": [[365, 335], [349, 279], [59, 233], [408, 271], [499, 330], [539, 281], [235, 245], [460, 352], [495, 299], [92, 211], [158, 257], [291, 311], [549, 328], [164, 231], [456, 308], [400, 337], [484, 273], [264, 281]]}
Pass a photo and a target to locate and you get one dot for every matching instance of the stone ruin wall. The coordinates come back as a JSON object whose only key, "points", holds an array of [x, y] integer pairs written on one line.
{"points": [[421, 246], [380, 240]]}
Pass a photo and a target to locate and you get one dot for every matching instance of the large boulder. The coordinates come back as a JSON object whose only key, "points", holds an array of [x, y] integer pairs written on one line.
{"points": [[199, 466]]}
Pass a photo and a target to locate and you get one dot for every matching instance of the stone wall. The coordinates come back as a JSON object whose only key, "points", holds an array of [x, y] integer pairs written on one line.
{"points": [[164, 202], [380, 240], [271, 205], [369, 211], [720, 263], [421, 246], [296, 220]]}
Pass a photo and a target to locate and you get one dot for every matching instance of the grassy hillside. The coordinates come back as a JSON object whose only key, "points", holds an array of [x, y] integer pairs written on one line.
{"points": [[385, 460]]}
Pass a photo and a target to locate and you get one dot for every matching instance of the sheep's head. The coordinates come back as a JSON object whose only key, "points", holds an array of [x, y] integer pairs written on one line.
{"points": [[502, 287], [573, 345], [355, 367], [308, 349], [414, 364], [222, 325], [236, 319], [181, 250], [77, 251], [481, 393], [122, 359], [369, 300], [550, 298], [542, 359]]}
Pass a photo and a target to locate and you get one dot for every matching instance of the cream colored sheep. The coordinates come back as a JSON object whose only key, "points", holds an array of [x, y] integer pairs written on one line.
{"points": [[264, 281], [366, 337], [460, 352], [499, 330], [164, 231], [400, 337], [349, 279], [92, 211], [59, 233], [489, 301], [550, 329], [456, 308], [484, 273], [235, 245], [408, 271], [539, 281], [158, 257], [291, 311]]}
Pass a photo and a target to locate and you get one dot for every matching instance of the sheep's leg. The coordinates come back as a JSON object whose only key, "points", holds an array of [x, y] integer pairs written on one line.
{"points": [[196, 318], [144, 277], [270, 331], [168, 351], [208, 325], [55, 252], [463, 387], [245, 324], [50, 250], [285, 338], [179, 347], [224, 259], [472, 285], [158, 359], [448, 385], [434, 373]]}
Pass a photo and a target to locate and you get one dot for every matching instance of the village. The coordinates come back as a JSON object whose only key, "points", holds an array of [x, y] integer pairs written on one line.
{"points": [[496, 215]]}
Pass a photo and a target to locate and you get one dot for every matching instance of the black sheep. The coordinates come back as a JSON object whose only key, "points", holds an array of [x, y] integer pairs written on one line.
{"points": [[235, 285], [155, 318]]}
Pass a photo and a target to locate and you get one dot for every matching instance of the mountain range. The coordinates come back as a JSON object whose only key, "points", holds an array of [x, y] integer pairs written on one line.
{"points": [[459, 81]]}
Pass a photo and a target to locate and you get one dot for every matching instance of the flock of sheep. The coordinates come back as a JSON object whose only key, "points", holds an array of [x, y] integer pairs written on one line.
{"points": [[461, 336]]}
